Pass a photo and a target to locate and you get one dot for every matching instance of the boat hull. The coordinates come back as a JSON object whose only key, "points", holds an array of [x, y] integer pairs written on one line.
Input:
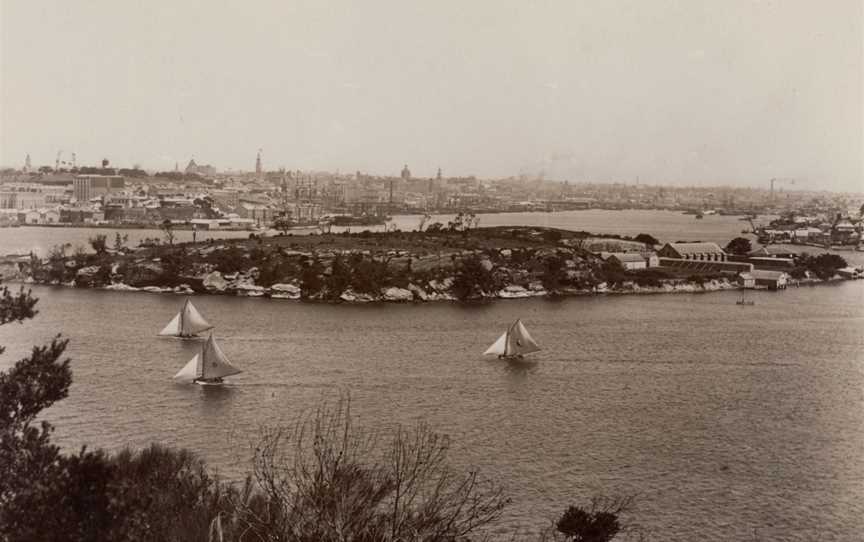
{"points": [[209, 382]]}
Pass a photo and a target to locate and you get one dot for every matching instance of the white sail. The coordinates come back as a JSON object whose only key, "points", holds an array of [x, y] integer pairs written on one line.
{"points": [[192, 322], [173, 327], [498, 347], [519, 341], [214, 362], [190, 371]]}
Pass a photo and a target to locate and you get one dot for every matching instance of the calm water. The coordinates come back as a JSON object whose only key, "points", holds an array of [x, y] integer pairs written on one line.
{"points": [[665, 225], [724, 419]]}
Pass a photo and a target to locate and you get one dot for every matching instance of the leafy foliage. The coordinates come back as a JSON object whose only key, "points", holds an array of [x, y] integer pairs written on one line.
{"points": [[739, 246], [167, 228], [26, 454], [120, 241], [16, 308], [339, 278], [823, 266], [230, 260], [472, 279], [647, 239], [553, 273], [310, 279], [99, 242], [553, 236], [599, 522]]}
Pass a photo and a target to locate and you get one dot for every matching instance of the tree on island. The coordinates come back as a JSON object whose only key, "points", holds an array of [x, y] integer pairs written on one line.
{"points": [[99, 242], [120, 241], [167, 228], [648, 240], [739, 246], [824, 266]]}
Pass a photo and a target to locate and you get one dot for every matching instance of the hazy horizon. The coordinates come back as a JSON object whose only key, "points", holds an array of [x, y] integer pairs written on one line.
{"points": [[677, 93]]}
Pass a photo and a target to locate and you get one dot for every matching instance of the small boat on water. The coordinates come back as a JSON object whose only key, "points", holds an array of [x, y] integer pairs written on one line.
{"points": [[187, 324], [743, 301], [208, 368], [514, 343]]}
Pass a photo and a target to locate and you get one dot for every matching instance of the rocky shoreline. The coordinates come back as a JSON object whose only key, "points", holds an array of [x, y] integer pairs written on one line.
{"points": [[413, 293], [471, 265]]}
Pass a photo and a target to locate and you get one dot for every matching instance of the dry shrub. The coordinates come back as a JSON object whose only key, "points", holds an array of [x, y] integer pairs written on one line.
{"points": [[326, 479]]}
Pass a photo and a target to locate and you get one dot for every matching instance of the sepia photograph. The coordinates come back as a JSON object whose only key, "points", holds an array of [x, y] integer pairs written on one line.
{"points": [[432, 271]]}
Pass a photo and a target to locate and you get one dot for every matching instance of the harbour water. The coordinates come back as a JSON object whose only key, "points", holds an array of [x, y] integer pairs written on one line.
{"points": [[725, 420]]}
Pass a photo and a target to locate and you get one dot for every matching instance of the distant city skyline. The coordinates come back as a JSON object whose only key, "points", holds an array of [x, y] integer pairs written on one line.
{"points": [[697, 94]]}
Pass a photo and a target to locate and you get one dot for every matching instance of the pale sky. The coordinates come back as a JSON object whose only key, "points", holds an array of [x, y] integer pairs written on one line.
{"points": [[680, 92]]}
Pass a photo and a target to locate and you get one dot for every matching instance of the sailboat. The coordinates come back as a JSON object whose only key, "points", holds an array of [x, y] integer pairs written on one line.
{"points": [[207, 368], [187, 323], [514, 343]]}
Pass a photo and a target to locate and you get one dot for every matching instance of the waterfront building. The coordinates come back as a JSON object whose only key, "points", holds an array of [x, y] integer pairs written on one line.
{"points": [[746, 280], [772, 263], [406, 173], [708, 252], [260, 213], [773, 280], [771, 251], [628, 260], [39, 216], [306, 212]]}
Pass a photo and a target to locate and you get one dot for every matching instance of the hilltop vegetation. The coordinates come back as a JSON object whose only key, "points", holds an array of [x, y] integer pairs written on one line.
{"points": [[442, 264]]}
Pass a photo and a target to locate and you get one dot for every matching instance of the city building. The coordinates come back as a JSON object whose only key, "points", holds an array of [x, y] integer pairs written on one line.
{"points": [[87, 187], [29, 195]]}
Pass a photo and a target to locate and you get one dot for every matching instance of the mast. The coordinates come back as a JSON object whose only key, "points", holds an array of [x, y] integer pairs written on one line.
{"points": [[507, 340], [203, 361], [182, 315]]}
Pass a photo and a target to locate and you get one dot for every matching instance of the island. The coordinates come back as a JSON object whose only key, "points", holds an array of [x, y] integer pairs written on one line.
{"points": [[461, 263]]}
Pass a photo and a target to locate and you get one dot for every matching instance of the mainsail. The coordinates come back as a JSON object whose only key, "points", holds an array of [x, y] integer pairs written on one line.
{"points": [[210, 364], [519, 341], [214, 362], [516, 341], [187, 323]]}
